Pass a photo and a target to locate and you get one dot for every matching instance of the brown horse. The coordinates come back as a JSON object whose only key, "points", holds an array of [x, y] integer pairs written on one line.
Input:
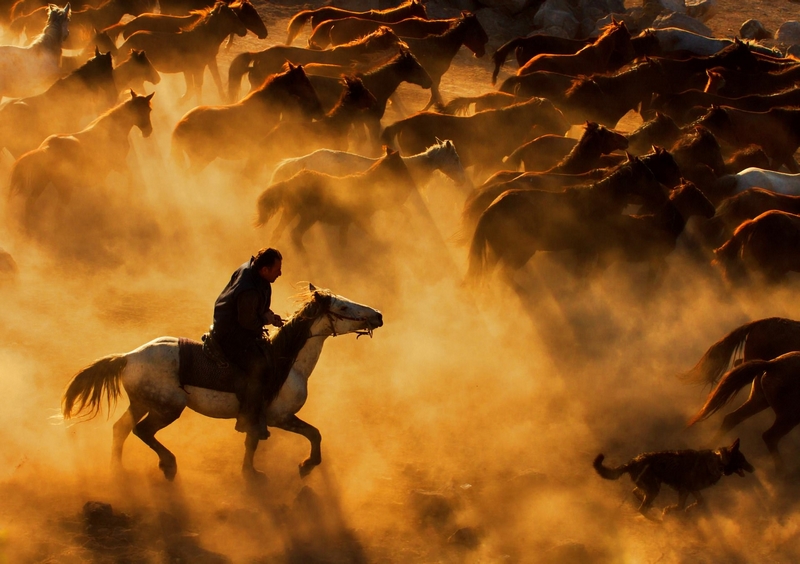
{"points": [[381, 82], [582, 156], [651, 238], [487, 101], [174, 24], [81, 159], [482, 139], [234, 131], [436, 52], [192, 50], [293, 139], [259, 65], [682, 106], [316, 197], [763, 339], [83, 22], [408, 9], [610, 51], [661, 131], [520, 222], [777, 131], [766, 245], [25, 123], [338, 32], [775, 384], [737, 209]]}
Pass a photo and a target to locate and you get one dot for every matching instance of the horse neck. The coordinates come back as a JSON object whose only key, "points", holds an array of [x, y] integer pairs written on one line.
{"points": [[49, 39], [448, 43], [125, 72], [383, 81], [340, 117], [422, 164], [309, 355], [213, 27], [604, 48], [116, 123]]}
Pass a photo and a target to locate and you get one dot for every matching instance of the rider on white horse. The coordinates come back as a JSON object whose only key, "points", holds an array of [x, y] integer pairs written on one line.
{"points": [[240, 314]]}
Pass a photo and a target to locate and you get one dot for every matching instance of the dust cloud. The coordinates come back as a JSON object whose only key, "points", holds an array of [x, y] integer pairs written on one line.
{"points": [[464, 431]]}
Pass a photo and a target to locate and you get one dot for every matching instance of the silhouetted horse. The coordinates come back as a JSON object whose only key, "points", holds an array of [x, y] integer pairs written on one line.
{"points": [[174, 24], [25, 71], [159, 388], [482, 139], [661, 131], [192, 50], [582, 156], [408, 9], [775, 384], [488, 101], [338, 32], [292, 139], [381, 82], [777, 131], [436, 52], [81, 159], [766, 245], [259, 65], [683, 106], [234, 131], [521, 222], [609, 52], [342, 201], [25, 123]]}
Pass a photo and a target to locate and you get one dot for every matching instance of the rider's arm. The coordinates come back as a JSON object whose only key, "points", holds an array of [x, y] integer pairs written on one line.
{"points": [[247, 311]]}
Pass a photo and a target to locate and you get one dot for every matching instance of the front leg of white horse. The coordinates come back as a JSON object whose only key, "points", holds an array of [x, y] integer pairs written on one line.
{"points": [[294, 424]]}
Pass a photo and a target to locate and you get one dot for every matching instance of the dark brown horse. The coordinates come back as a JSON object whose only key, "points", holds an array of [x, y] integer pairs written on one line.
{"points": [[436, 52], [192, 50], [82, 159], [174, 24], [777, 131], [766, 245], [342, 201], [775, 384], [259, 65], [681, 107], [92, 88], [609, 52], [763, 339], [661, 131], [583, 156], [234, 131], [339, 32], [521, 222], [488, 101], [294, 139], [381, 82], [482, 139], [408, 9], [737, 209]]}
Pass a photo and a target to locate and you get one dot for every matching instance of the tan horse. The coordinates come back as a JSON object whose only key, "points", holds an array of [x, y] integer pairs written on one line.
{"points": [[83, 158], [190, 51]]}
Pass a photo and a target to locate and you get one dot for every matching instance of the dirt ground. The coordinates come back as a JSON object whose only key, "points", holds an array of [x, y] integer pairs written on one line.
{"points": [[464, 431]]}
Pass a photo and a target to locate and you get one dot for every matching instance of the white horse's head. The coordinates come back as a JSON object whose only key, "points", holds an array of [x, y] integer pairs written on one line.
{"points": [[446, 157], [344, 316], [58, 21]]}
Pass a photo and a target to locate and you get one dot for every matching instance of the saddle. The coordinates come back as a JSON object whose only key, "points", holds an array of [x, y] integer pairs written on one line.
{"points": [[213, 350]]}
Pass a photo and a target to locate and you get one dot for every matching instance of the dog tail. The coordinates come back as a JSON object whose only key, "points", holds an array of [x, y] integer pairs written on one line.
{"points": [[729, 386], [605, 471]]}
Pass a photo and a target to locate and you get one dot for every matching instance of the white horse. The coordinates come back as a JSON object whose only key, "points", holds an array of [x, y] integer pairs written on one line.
{"points": [[159, 392], [781, 182], [672, 39], [25, 71], [441, 156]]}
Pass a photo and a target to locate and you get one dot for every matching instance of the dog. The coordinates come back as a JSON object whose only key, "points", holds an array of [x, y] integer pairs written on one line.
{"points": [[687, 471]]}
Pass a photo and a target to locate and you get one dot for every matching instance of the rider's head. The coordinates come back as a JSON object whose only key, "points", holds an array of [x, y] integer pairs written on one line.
{"points": [[267, 263]]}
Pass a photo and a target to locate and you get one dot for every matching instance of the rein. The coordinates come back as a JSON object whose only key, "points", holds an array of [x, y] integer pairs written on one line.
{"points": [[330, 315]]}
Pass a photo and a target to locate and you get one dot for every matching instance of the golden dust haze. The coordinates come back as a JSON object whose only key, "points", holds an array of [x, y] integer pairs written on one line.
{"points": [[464, 431]]}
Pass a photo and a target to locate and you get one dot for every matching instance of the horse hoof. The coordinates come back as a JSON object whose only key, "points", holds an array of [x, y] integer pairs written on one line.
{"points": [[170, 472], [253, 476], [306, 468]]}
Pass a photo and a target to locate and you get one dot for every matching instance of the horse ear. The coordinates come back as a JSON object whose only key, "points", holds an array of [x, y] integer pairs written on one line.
{"points": [[629, 156], [311, 287], [150, 96], [291, 66], [96, 51], [67, 9], [133, 94], [735, 445]]}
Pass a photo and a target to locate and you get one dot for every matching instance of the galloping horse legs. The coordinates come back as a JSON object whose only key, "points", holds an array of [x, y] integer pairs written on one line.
{"points": [[436, 96], [755, 403], [146, 430], [300, 229], [250, 445], [123, 428], [212, 66], [780, 428], [188, 76], [294, 424]]}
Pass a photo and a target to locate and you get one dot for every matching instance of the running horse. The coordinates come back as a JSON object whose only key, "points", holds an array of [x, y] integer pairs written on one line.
{"points": [[160, 384], [25, 71]]}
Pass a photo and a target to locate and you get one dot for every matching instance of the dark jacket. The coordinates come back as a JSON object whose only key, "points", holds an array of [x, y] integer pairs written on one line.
{"points": [[228, 319]]}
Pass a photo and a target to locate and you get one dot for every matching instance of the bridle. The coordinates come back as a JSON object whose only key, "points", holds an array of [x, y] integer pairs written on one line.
{"points": [[331, 320]]}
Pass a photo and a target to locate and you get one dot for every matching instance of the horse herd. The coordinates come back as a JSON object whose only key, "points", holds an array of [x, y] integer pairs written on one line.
{"points": [[720, 121]]}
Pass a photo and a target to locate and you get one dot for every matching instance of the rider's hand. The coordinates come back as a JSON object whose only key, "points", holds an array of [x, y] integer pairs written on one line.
{"points": [[276, 320]]}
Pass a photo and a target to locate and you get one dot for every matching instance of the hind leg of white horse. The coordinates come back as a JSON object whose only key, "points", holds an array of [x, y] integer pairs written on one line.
{"points": [[123, 428], [294, 424], [755, 403], [147, 429]]}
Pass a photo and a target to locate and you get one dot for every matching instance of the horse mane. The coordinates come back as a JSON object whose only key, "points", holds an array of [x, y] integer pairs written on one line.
{"points": [[380, 32], [608, 29], [578, 83], [289, 340], [205, 14]]}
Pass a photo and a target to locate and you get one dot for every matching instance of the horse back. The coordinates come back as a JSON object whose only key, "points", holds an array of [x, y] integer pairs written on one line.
{"points": [[196, 369]]}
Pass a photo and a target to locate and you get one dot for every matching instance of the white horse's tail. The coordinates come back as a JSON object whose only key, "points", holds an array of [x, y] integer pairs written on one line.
{"points": [[88, 387], [269, 202]]}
